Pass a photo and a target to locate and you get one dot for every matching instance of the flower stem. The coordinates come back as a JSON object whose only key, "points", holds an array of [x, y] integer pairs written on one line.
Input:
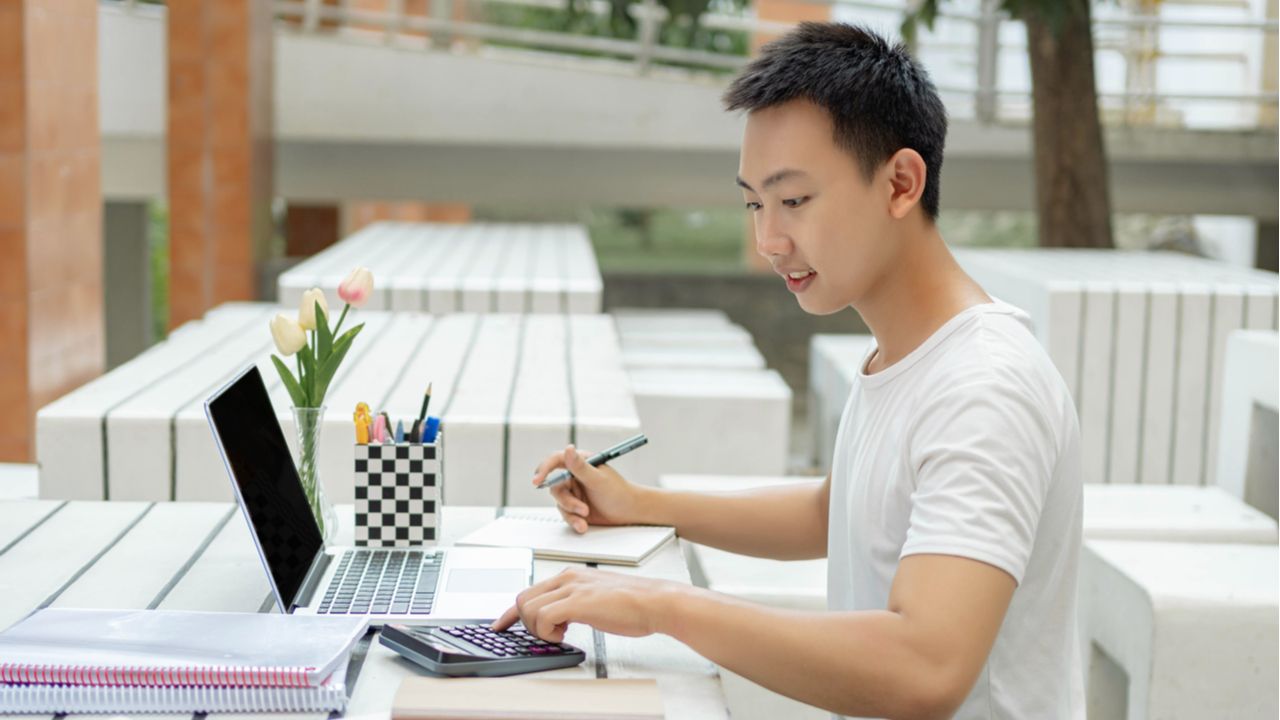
{"points": [[341, 317]]}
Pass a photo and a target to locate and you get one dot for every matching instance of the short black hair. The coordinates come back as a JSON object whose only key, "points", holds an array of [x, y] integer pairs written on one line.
{"points": [[880, 99]]}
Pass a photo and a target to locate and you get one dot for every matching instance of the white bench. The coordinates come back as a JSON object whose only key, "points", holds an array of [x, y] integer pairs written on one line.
{"points": [[833, 366], [1173, 513], [1176, 630], [473, 268], [711, 421], [1249, 389], [1140, 339], [509, 388]]}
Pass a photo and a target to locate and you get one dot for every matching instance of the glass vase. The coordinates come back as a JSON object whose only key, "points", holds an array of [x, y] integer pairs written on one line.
{"points": [[308, 422]]}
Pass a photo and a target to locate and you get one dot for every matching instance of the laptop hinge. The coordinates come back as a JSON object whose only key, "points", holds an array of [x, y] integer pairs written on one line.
{"points": [[318, 565]]}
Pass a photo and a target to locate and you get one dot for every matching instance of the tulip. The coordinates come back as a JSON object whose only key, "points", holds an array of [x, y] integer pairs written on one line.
{"points": [[357, 288], [288, 334], [307, 313]]}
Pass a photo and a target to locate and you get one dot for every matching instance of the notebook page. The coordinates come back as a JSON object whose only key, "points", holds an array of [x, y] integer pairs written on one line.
{"points": [[552, 538]]}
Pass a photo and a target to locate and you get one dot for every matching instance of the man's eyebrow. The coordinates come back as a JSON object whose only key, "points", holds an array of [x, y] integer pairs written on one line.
{"points": [[774, 179]]}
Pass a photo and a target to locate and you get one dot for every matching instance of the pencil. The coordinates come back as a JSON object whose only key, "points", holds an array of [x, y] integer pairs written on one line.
{"points": [[426, 400]]}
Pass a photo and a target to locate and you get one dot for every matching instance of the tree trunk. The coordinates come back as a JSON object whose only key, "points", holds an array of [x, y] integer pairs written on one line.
{"points": [[1073, 197]]}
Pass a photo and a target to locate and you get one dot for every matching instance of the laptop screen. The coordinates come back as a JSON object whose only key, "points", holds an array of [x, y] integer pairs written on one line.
{"points": [[270, 492]]}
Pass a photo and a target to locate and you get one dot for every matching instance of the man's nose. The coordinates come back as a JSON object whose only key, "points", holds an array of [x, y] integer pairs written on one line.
{"points": [[771, 237]]}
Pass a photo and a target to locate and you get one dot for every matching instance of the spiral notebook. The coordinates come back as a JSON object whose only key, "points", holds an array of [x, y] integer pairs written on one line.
{"points": [[552, 539], [174, 648], [69, 699]]}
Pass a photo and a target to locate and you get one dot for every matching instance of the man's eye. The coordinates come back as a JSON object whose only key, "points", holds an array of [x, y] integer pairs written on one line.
{"points": [[753, 206], [793, 202]]}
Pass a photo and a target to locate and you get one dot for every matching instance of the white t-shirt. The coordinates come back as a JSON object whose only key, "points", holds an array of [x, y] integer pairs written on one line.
{"points": [[970, 446]]}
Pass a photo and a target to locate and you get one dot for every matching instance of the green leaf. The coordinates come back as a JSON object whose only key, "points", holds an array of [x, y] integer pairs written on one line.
{"points": [[324, 337], [295, 391], [308, 379], [326, 373]]}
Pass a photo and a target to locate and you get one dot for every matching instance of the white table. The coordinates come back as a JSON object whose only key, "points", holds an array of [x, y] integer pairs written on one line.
{"points": [[447, 268], [1140, 339], [509, 388], [200, 556]]}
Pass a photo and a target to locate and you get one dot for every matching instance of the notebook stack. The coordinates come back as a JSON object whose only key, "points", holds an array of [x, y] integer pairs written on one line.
{"points": [[123, 661]]}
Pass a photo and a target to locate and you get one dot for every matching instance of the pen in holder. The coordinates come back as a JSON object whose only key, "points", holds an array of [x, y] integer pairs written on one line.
{"points": [[398, 493]]}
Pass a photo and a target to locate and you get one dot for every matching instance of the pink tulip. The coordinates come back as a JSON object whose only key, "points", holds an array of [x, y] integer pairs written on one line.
{"points": [[357, 288]]}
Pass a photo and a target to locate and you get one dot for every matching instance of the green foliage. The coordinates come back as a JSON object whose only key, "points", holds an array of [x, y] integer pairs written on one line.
{"points": [[158, 258], [1051, 12], [681, 31]]}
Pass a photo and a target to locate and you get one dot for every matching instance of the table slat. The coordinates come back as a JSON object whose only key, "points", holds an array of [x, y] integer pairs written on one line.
{"points": [[228, 576], [144, 561], [54, 552], [19, 516]]}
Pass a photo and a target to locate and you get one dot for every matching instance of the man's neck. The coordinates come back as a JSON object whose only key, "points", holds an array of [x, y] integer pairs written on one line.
{"points": [[918, 293]]}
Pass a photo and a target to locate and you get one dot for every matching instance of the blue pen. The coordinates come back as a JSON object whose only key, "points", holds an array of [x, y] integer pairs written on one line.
{"points": [[399, 431]]}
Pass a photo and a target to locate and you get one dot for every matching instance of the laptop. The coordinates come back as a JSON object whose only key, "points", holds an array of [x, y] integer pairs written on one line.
{"points": [[409, 586]]}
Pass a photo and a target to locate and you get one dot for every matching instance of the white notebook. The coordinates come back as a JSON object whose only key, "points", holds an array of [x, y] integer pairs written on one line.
{"points": [[175, 648], [552, 539]]}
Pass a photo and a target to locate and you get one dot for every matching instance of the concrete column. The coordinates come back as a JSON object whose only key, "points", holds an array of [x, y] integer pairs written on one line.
{"points": [[127, 257], [787, 11], [220, 151], [1268, 245], [51, 327]]}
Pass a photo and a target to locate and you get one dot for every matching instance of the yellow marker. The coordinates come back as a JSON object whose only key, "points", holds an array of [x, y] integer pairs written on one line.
{"points": [[363, 421]]}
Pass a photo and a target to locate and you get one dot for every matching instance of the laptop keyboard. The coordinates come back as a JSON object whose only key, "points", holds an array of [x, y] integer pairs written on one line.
{"points": [[382, 582]]}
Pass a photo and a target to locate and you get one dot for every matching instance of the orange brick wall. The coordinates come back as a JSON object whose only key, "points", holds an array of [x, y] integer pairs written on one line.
{"points": [[51, 308]]}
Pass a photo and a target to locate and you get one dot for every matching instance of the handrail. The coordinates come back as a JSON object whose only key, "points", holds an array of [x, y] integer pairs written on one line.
{"points": [[645, 50]]}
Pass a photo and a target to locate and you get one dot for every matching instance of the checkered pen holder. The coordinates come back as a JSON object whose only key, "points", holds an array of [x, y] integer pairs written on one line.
{"points": [[397, 494]]}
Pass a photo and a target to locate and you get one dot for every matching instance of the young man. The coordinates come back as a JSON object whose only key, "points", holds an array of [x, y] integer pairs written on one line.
{"points": [[951, 519]]}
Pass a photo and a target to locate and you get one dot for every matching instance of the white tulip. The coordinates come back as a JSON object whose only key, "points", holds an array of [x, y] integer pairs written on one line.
{"points": [[307, 313], [288, 334]]}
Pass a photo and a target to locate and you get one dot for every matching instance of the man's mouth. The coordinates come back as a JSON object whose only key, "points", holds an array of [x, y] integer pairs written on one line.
{"points": [[798, 280]]}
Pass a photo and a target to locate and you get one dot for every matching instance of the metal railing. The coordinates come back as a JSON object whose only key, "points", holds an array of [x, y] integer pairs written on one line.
{"points": [[645, 52]]}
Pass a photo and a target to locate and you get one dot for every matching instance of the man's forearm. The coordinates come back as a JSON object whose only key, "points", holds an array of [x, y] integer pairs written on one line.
{"points": [[784, 522]]}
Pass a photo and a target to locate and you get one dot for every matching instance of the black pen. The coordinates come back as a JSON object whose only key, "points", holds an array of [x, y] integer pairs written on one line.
{"points": [[618, 450]]}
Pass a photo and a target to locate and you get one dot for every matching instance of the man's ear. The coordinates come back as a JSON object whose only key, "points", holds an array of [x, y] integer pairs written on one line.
{"points": [[906, 174]]}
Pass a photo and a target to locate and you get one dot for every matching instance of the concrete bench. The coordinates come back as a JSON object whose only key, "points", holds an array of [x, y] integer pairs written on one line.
{"points": [[833, 366], [711, 421], [1140, 339], [474, 268], [696, 356], [509, 388], [1173, 513], [1178, 630], [1247, 432]]}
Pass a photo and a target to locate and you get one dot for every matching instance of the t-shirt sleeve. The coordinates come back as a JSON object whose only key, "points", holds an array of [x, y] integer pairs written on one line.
{"points": [[983, 456]]}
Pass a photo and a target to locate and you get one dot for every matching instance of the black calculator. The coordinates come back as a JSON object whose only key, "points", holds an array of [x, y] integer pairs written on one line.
{"points": [[478, 650]]}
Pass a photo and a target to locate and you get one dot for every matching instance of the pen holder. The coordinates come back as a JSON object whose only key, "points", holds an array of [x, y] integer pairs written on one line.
{"points": [[398, 494]]}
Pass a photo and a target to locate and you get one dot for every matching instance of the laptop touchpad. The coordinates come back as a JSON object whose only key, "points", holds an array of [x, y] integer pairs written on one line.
{"points": [[486, 580]]}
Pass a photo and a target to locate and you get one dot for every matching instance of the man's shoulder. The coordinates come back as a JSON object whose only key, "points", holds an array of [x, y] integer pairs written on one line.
{"points": [[996, 352]]}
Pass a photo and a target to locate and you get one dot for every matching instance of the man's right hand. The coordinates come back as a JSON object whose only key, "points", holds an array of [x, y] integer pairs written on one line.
{"points": [[595, 495]]}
